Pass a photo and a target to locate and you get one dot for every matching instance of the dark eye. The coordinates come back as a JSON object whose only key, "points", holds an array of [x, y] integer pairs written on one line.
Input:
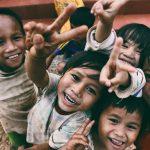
{"points": [[1, 42], [114, 120], [75, 77], [91, 90], [138, 51], [18, 37], [132, 127], [125, 45]]}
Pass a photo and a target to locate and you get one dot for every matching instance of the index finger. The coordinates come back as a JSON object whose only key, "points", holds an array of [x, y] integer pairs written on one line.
{"points": [[60, 21], [116, 49], [83, 126], [88, 128]]}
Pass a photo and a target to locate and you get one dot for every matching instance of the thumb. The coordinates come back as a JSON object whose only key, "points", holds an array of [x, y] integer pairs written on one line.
{"points": [[38, 41]]}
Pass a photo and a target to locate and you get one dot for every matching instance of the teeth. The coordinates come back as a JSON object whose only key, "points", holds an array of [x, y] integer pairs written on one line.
{"points": [[116, 142], [67, 97], [14, 56]]}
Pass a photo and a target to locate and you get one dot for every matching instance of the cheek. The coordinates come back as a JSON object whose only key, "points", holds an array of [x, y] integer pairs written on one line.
{"points": [[132, 137]]}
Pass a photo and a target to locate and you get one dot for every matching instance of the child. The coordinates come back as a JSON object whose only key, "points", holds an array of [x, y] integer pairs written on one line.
{"points": [[65, 101], [118, 124], [133, 50], [17, 93]]}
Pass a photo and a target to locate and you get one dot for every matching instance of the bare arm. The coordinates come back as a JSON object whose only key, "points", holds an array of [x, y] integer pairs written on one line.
{"points": [[45, 43], [44, 146], [106, 11]]}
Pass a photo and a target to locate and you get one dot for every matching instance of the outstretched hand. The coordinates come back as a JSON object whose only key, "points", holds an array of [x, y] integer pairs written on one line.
{"points": [[116, 72], [107, 9], [46, 38], [79, 140]]}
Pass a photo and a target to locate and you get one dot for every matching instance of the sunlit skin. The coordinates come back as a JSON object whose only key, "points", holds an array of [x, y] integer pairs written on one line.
{"points": [[12, 44], [78, 90], [130, 53], [118, 129]]}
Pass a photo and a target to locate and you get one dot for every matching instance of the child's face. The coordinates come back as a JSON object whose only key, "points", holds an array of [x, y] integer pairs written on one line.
{"points": [[78, 89], [118, 129], [130, 53], [12, 45]]}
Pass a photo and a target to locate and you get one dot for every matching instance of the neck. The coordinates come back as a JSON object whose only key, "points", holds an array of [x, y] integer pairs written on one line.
{"points": [[59, 110], [97, 142]]}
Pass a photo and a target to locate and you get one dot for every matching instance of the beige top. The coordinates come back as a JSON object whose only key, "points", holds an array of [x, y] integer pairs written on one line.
{"points": [[17, 96]]}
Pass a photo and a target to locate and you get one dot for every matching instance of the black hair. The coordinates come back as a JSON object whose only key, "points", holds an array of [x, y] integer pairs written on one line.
{"points": [[82, 16], [11, 13], [130, 104], [88, 59], [139, 34]]}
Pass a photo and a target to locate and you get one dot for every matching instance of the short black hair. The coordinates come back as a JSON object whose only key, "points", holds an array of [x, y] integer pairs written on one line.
{"points": [[130, 104], [11, 13], [82, 16], [139, 34], [88, 59]]}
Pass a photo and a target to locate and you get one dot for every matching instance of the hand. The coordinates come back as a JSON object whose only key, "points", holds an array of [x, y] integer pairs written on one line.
{"points": [[79, 140], [46, 38], [115, 72], [107, 9]]}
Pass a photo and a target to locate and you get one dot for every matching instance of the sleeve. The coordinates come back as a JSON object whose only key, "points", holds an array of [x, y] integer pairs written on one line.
{"points": [[61, 136], [106, 44], [137, 83], [53, 82]]}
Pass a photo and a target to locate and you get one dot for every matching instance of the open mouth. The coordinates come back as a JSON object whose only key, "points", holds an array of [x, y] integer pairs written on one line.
{"points": [[13, 57], [69, 99], [127, 61], [116, 143]]}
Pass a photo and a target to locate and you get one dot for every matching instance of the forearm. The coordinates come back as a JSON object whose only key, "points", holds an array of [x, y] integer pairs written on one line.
{"points": [[44, 146], [103, 30], [36, 68]]}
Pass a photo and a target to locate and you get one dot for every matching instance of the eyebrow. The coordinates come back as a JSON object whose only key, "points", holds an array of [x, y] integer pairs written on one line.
{"points": [[133, 123], [91, 76], [94, 76]]}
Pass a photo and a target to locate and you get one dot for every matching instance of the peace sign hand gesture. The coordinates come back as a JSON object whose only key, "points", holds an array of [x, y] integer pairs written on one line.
{"points": [[79, 140], [116, 72]]}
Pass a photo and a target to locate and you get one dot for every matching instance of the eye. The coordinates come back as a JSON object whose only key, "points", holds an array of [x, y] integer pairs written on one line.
{"points": [[91, 90], [18, 37], [2, 42], [75, 77], [138, 51], [114, 120], [132, 127], [125, 45]]}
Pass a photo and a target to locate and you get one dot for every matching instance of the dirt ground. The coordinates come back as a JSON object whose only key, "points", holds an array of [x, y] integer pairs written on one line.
{"points": [[4, 143]]}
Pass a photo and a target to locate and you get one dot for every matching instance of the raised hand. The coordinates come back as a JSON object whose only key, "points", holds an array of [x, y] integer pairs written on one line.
{"points": [[115, 72], [79, 140], [49, 37], [107, 9]]}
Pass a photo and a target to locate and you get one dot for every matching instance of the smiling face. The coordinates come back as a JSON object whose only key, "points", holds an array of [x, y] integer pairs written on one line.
{"points": [[118, 129], [130, 53], [78, 90], [12, 45]]}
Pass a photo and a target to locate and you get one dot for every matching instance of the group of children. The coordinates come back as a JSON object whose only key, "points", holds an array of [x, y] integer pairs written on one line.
{"points": [[101, 83]]}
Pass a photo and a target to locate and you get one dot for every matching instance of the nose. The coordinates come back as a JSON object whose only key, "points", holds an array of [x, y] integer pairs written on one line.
{"points": [[78, 89], [11, 46], [119, 131], [130, 52]]}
